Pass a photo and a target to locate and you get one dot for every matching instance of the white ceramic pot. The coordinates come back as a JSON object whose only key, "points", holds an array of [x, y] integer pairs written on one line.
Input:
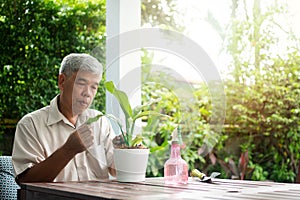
{"points": [[131, 164]]}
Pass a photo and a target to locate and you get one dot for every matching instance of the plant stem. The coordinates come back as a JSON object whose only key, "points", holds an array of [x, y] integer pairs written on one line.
{"points": [[125, 138]]}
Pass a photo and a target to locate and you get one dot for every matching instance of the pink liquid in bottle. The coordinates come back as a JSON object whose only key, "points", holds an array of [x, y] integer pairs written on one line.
{"points": [[175, 168]]}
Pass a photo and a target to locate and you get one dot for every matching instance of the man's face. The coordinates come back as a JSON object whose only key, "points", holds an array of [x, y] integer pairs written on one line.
{"points": [[79, 90]]}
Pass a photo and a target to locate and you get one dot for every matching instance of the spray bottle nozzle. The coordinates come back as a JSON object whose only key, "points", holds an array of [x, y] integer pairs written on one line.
{"points": [[176, 135]]}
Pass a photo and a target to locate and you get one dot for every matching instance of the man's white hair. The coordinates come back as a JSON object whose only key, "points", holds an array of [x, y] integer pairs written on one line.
{"points": [[80, 61]]}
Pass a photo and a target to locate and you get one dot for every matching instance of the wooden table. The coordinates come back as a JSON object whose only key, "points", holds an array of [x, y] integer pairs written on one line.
{"points": [[154, 188]]}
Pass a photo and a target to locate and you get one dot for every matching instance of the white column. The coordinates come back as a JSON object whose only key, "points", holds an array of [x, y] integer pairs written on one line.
{"points": [[123, 70]]}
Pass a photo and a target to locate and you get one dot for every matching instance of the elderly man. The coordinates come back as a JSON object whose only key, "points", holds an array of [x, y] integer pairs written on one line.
{"points": [[55, 143]]}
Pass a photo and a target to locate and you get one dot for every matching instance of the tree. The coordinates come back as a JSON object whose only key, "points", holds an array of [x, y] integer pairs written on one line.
{"points": [[263, 90], [161, 13], [38, 34]]}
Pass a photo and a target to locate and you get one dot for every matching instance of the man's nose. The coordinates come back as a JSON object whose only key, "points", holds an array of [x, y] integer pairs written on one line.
{"points": [[87, 92]]}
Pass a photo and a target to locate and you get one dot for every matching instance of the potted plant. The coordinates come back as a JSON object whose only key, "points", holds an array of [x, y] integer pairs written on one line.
{"points": [[130, 155]]}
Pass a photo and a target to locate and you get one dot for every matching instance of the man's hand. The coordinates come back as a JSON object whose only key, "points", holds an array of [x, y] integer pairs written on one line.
{"points": [[80, 140], [47, 170]]}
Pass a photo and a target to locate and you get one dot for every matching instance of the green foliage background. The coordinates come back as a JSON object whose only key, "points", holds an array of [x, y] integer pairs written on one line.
{"points": [[262, 96], [36, 35], [263, 92]]}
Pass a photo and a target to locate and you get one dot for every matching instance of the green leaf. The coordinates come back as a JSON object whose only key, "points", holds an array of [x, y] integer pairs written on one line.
{"points": [[157, 148], [149, 112], [125, 136], [121, 97], [138, 109], [137, 140], [109, 85], [94, 119]]}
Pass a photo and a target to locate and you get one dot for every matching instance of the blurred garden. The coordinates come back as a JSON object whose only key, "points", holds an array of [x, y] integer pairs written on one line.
{"points": [[260, 138]]}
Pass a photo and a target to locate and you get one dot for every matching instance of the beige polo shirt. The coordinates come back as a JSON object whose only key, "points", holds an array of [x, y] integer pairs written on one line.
{"points": [[42, 132]]}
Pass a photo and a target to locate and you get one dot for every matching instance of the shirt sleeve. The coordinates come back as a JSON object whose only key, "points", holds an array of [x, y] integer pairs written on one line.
{"points": [[27, 150]]}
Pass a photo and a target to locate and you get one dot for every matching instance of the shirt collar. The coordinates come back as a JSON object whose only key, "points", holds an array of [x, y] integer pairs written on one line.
{"points": [[56, 116]]}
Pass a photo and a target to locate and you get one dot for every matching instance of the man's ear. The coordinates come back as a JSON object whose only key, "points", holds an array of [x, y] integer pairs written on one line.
{"points": [[61, 81]]}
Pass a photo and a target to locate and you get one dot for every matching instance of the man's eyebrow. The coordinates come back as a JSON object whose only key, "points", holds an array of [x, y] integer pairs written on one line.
{"points": [[82, 79], [86, 80]]}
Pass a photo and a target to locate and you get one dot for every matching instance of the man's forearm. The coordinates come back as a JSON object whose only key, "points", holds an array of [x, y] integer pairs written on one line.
{"points": [[47, 170]]}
